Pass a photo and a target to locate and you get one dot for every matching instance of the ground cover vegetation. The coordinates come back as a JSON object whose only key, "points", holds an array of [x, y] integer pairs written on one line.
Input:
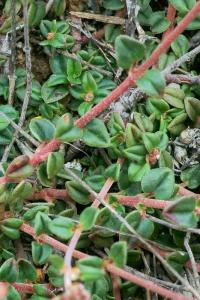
{"points": [[99, 149]]}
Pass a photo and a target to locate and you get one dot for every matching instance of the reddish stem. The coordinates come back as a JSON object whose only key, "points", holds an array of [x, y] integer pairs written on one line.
{"points": [[27, 287], [148, 285], [43, 153], [97, 109], [3, 290], [109, 267], [171, 14], [6, 179], [136, 74], [78, 231], [192, 14], [116, 287], [189, 265], [49, 194], [68, 258], [134, 200], [185, 192], [44, 238]]}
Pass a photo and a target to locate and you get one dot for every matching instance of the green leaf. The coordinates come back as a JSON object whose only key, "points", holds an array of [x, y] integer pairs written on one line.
{"points": [[19, 168], [111, 32], [89, 83], [156, 106], [26, 270], [137, 171], [118, 254], [132, 135], [159, 181], [40, 253], [9, 111], [58, 64], [31, 213], [43, 176], [59, 7], [9, 271], [62, 227], [66, 131], [150, 140], [36, 12], [143, 122], [158, 22], [96, 182], [180, 46], [174, 95], [116, 124], [88, 217], [12, 233], [12, 223], [181, 212], [53, 94], [78, 193], [91, 268], [165, 60], [192, 107], [74, 70], [3, 123], [177, 125], [42, 222], [152, 82], [57, 79], [42, 129], [5, 136], [128, 51], [194, 25], [13, 294], [109, 4], [64, 123], [10, 228], [95, 134], [177, 260], [22, 190], [113, 171], [136, 153], [55, 163], [165, 159], [183, 6], [143, 226], [191, 176]]}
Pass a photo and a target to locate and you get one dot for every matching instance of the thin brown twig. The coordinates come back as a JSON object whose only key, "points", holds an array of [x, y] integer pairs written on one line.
{"points": [[193, 263], [172, 226], [12, 59], [28, 92], [21, 131], [49, 5], [85, 63], [177, 78], [155, 280], [98, 17], [187, 57]]}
